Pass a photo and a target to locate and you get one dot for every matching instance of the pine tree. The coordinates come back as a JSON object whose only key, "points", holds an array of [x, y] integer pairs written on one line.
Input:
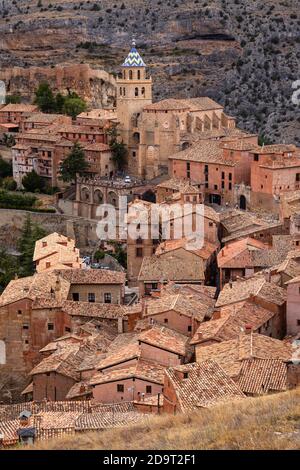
{"points": [[44, 98], [74, 164], [30, 234]]}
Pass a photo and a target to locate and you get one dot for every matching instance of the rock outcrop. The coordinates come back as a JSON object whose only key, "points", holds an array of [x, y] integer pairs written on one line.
{"points": [[244, 54]]}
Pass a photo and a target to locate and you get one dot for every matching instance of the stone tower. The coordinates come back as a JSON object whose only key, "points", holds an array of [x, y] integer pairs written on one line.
{"points": [[134, 91]]}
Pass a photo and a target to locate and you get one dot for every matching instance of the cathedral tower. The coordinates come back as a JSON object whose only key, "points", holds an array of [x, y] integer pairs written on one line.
{"points": [[134, 91]]}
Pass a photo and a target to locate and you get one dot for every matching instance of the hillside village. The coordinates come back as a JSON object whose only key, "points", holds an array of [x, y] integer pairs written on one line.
{"points": [[85, 347]]}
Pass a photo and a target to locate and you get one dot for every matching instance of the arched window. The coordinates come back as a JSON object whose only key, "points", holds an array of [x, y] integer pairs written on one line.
{"points": [[136, 92], [124, 91], [124, 74], [143, 91], [139, 74], [120, 90], [130, 74]]}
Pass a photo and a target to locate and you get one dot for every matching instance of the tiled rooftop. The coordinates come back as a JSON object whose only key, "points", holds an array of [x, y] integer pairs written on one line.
{"points": [[171, 268], [255, 286], [205, 151], [188, 305], [165, 338], [260, 376], [93, 276], [233, 319], [95, 310], [230, 354], [206, 385], [144, 370]]}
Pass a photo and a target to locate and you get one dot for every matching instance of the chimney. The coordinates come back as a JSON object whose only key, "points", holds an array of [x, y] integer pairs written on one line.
{"points": [[58, 288], [216, 314], [248, 329]]}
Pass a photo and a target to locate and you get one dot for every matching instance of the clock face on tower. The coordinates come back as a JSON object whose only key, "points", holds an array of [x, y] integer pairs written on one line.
{"points": [[166, 125]]}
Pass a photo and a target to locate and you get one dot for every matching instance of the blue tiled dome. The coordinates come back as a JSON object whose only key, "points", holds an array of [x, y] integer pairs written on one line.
{"points": [[134, 59]]}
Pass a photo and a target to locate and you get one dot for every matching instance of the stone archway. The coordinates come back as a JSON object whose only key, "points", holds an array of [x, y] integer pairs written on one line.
{"points": [[243, 202], [85, 194], [112, 198], [98, 196]]}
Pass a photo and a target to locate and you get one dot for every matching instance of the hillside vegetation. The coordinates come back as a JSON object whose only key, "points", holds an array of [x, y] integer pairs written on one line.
{"points": [[270, 422], [245, 54]]}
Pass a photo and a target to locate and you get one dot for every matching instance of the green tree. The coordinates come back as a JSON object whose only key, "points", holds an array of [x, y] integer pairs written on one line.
{"points": [[30, 234], [118, 149], [33, 182], [59, 103], [13, 99], [8, 268], [5, 168], [75, 164], [9, 184], [44, 98], [74, 105]]}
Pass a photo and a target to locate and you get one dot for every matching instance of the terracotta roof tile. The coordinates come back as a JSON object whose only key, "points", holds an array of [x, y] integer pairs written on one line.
{"points": [[255, 286], [150, 371], [205, 151], [188, 305], [230, 354], [95, 310], [166, 339], [233, 319], [259, 376], [207, 384], [93, 276]]}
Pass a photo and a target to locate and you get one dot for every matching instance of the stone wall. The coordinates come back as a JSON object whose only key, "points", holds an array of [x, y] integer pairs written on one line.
{"points": [[82, 230]]}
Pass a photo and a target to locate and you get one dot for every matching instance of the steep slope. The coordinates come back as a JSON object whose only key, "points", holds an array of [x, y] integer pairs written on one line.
{"points": [[270, 422], [245, 54]]}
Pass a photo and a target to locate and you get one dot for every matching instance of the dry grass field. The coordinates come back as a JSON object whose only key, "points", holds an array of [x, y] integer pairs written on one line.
{"points": [[270, 422]]}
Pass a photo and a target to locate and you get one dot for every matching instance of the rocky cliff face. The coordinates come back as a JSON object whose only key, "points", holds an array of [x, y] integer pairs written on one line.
{"points": [[96, 86], [244, 54]]}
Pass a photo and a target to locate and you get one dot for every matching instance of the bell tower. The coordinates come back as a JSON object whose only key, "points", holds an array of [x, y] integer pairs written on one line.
{"points": [[134, 91]]}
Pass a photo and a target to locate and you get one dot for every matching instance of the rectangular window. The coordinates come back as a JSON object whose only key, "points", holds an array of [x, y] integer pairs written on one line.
{"points": [[50, 326], [230, 176], [229, 186], [297, 176], [223, 184], [215, 186], [75, 296], [223, 175], [107, 298], [25, 326], [148, 389], [91, 297], [298, 322], [256, 157], [189, 328], [166, 320], [120, 388], [139, 252], [206, 169], [67, 329]]}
